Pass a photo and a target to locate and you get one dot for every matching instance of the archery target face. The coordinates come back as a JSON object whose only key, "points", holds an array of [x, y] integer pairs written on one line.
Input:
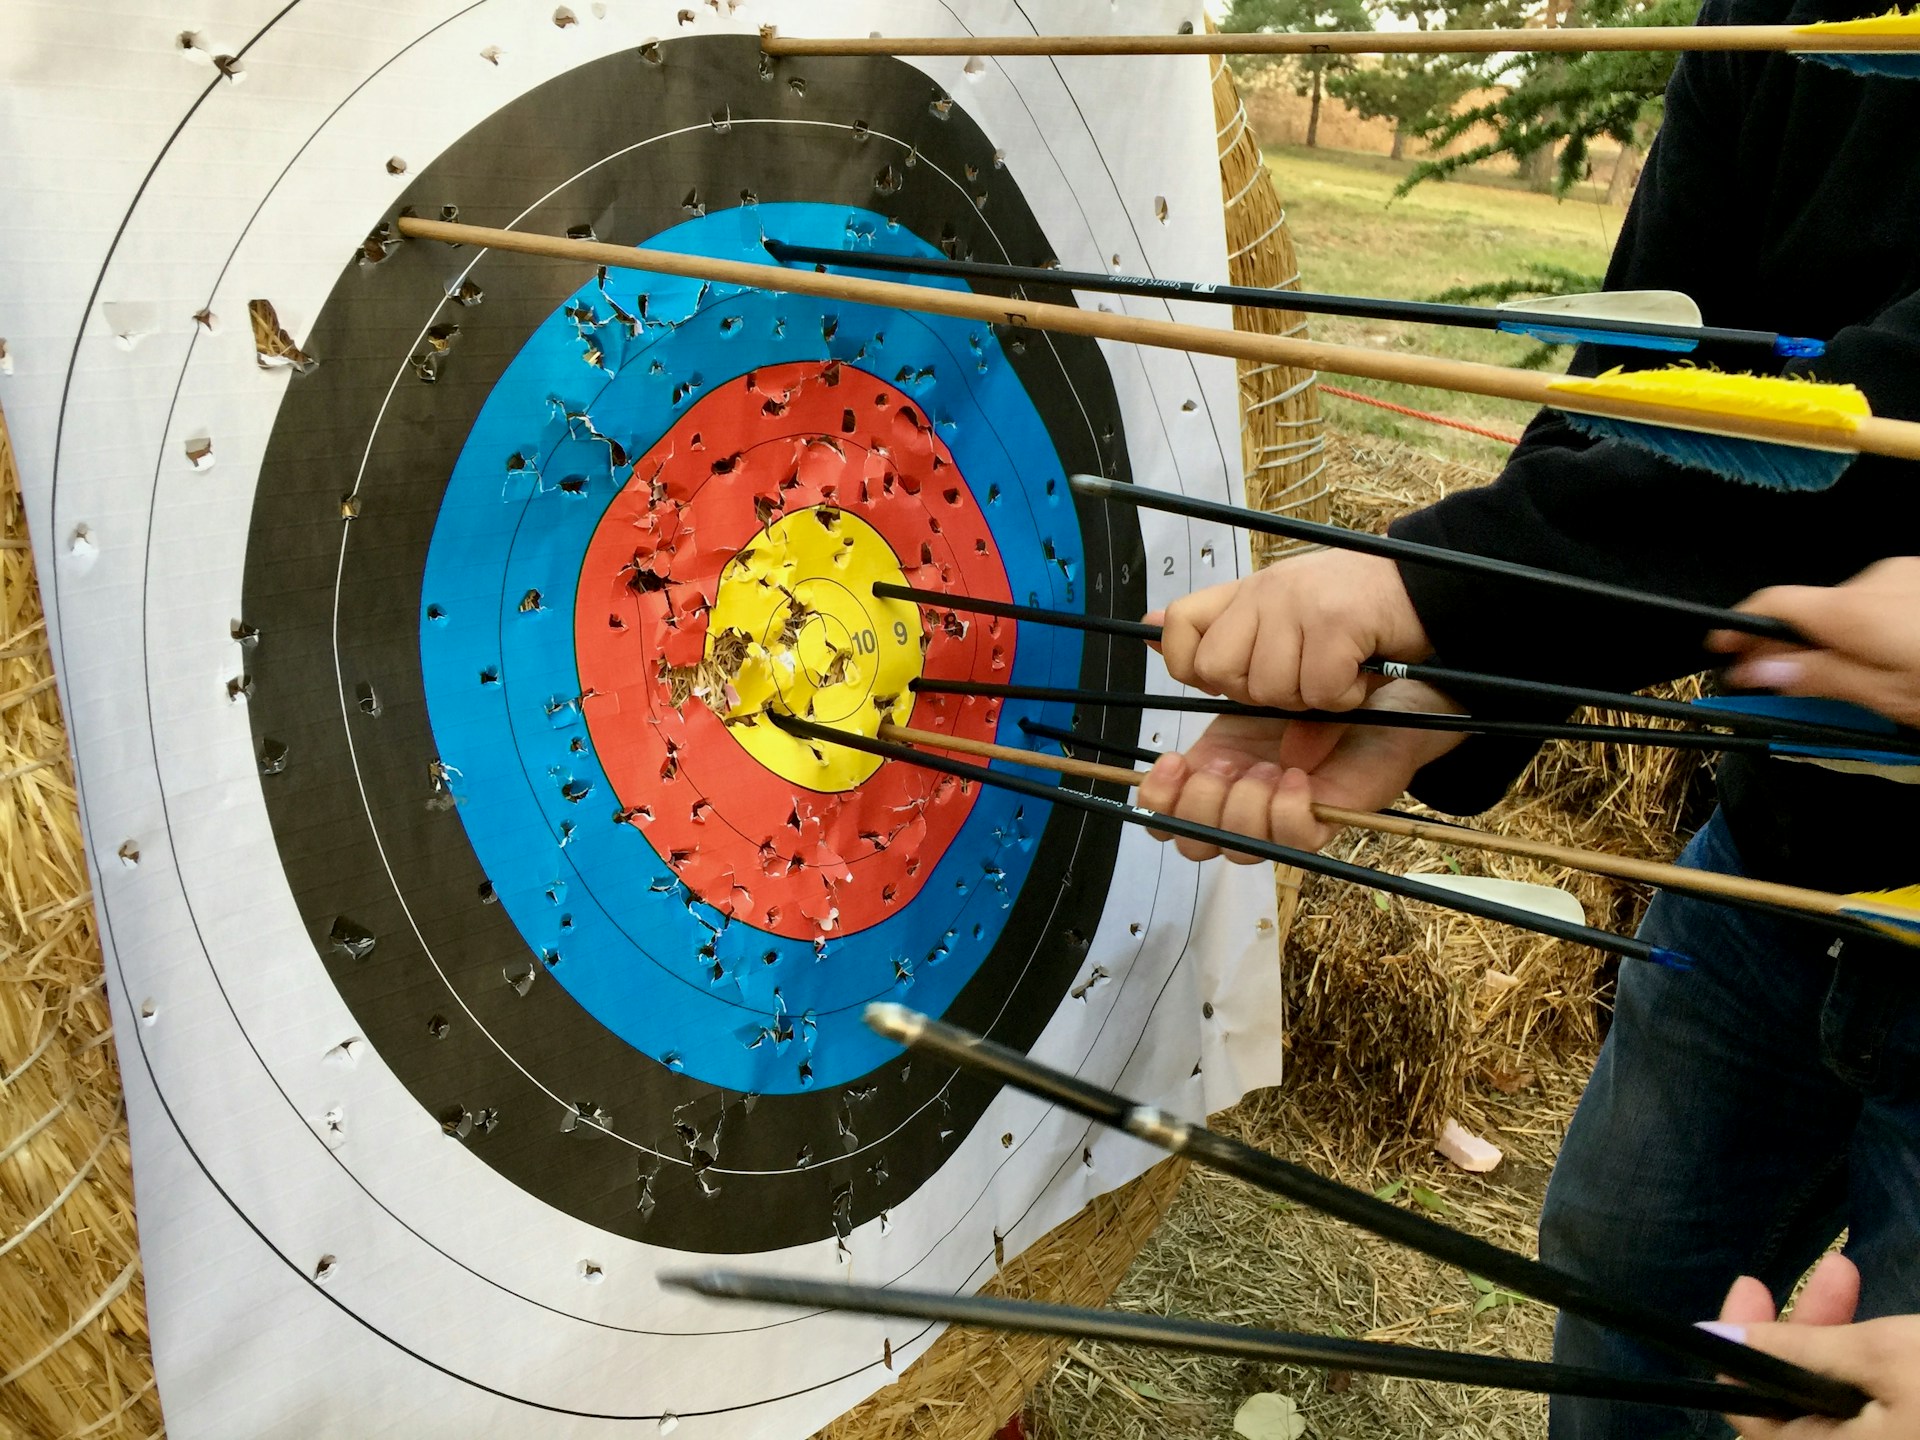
{"points": [[528, 958]]}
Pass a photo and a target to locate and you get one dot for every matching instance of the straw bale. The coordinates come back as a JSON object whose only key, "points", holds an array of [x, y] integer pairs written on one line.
{"points": [[1401, 1014], [1282, 435], [73, 1329]]}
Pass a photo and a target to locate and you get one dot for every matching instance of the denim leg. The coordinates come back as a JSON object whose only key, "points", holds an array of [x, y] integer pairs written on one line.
{"points": [[1711, 1142], [1874, 1028]]}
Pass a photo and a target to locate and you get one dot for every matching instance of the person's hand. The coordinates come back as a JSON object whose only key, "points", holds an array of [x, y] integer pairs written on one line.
{"points": [[1865, 634], [1295, 634], [1882, 1357], [1262, 777]]}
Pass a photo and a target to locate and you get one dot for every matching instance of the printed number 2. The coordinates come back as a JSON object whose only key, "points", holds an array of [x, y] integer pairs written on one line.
{"points": [[1166, 565]]}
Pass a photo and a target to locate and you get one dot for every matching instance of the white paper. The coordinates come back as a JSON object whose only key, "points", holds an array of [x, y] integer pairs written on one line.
{"points": [[153, 179]]}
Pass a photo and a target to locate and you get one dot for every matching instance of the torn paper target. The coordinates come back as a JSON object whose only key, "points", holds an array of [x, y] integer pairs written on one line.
{"points": [[481, 792], [629, 856]]}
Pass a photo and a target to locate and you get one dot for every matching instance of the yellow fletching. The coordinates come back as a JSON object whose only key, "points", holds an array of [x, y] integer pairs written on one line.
{"points": [[1894, 913], [1894, 22], [1907, 898], [1750, 397]]}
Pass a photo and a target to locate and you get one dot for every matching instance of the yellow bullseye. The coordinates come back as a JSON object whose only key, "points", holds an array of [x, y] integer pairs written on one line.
{"points": [[796, 627]]}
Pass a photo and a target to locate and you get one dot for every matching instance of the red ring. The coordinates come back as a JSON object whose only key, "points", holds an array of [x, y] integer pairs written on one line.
{"points": [[760, 848]]}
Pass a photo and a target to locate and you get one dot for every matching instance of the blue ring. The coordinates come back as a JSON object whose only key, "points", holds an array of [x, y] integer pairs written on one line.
{"points": [[592, 898]]}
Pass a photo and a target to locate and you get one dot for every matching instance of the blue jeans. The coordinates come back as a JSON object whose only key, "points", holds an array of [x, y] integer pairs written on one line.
{"points": [[1743, 1113]]}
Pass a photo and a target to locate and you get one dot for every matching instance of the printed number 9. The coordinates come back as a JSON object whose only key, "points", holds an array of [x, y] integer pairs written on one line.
{"points": [[899, 632]]}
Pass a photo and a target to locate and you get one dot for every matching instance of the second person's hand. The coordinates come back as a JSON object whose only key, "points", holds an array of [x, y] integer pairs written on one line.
{"points": [[1262, 777]]}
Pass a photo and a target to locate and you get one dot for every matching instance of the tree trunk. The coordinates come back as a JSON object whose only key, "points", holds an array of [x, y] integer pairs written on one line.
{"points": [[1626, 174], [1537, 169], [1313, 115], [1399, 151]]}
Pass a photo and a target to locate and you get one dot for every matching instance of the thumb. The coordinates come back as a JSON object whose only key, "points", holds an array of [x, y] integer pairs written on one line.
{"points": [[1200, 608], [1877, 1355], [1185, 622]]}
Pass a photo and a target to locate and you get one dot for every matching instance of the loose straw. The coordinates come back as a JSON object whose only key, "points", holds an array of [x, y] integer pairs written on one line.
{"points": [[1873, 434]]}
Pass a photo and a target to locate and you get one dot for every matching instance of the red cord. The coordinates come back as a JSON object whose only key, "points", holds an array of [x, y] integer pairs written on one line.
{"points": [[1420, 414]]}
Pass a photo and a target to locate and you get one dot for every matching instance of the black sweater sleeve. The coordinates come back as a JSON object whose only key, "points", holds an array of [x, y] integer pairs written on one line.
{"points": [[1715, 193]]}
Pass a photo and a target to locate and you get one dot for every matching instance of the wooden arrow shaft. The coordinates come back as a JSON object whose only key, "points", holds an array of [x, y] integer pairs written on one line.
{"points": [[1878, 436], [1620, 867], [1779, 38]]}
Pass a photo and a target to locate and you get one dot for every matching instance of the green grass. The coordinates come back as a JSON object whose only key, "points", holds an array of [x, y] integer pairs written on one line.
{"points": [[1353, 237]]}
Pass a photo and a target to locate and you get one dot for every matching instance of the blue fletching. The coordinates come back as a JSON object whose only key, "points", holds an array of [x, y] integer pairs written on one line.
{"points": [[1671, 959], [1751, 462], [1561, 334], [1817, 712], [1899, 64], [1883, 920], [1797, 347]]}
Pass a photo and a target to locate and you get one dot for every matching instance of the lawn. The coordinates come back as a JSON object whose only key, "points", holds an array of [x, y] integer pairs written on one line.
{"points": [[1354, 237]]}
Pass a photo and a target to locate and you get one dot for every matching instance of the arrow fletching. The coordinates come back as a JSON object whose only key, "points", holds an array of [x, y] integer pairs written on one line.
{"points": [[1656, 307], [1903, 64], [1862, 760], [1553, 319], [1547, 900], [1820, 418], [1895, 913]]}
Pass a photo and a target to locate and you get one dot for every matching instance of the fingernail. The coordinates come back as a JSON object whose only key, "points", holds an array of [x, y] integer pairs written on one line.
{"points": [[1225, 766], [1168, 768], [1154, 617], [1265, 773], [1772, 674], [1726, 1331]]}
